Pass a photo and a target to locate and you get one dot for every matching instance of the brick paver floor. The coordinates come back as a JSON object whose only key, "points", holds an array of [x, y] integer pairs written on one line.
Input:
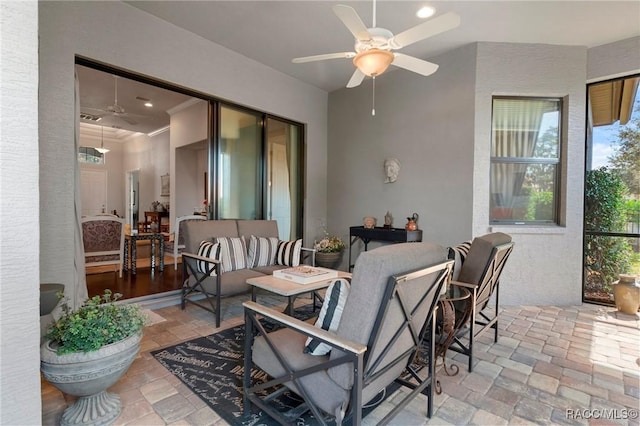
{"points": [[576, 365]]}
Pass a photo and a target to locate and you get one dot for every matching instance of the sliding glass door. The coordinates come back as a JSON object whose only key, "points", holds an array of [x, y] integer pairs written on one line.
{"points": [[284, 177], [239, 177], [259, 169]]}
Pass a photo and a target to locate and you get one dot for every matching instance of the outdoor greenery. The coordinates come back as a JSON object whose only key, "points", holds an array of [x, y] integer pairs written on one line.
{"points": [[626, 159], [97, 323], [605, 211]]}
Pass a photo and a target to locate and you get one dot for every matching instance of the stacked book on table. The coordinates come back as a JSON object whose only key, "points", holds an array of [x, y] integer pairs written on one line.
{"points": [[304, 274]]}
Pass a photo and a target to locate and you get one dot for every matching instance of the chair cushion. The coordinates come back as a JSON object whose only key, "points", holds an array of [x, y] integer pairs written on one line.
{"points": [[262, 251], [323, 391], [289, 253], [479, 254], [233, 253], [371, 275], [458, 254], [329, 318], [210, 250]]}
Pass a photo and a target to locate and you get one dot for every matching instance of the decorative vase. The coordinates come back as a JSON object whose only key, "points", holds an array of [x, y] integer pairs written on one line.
{"points": [[329, 260], [412, 223], [626, 294], [88, 375]]}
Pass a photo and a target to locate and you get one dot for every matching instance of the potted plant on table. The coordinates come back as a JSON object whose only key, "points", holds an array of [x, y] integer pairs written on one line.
{"points": [[87, 350], [329, 251]]}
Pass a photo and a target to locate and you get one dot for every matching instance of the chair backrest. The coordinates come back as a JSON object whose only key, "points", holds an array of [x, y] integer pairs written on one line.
{"points": [[103, 236], [179, 229], [483, 265], [388, 306]]}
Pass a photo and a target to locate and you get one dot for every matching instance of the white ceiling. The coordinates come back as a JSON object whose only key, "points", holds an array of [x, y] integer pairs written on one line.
{"points": [[274, 32]]}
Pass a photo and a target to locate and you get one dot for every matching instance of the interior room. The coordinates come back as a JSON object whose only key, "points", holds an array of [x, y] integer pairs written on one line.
{"points": [[234, 60]]}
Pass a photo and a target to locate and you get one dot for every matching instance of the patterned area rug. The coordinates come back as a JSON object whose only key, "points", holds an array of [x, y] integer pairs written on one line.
{"points": [[212, 367]]}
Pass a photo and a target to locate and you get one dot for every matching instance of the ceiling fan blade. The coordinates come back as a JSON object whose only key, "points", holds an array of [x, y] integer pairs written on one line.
{"points": [[127, 119], [339, 55], [414, 64], [352, 21], [356, 79], [434, 26]]}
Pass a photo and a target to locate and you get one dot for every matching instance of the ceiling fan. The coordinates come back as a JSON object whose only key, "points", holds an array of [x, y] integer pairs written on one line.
{"points": [[373, 48], [116, 110]]}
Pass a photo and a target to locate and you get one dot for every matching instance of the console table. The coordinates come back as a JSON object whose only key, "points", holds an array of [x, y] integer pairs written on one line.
{"points": [[394, 235], [130, 250]]}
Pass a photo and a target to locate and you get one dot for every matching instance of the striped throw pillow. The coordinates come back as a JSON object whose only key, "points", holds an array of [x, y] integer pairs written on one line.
{"points": [[233, 253], [262, 251], [329, 318], [289, 253], [210, 250], [458, 254]]}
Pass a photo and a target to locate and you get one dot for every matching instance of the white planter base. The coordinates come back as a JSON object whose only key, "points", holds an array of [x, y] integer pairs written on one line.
{"points": [[99, 409]]}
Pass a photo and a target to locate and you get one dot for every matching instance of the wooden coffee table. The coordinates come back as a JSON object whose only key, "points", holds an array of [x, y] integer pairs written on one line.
{"points": [[289, 289]]}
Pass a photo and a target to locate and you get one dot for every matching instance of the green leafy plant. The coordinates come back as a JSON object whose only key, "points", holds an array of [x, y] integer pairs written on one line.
{"points": [[605, 211], [97, 323]]}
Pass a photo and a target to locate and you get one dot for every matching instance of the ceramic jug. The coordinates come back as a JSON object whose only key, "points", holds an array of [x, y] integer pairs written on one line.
{"points": [[412, 223]]}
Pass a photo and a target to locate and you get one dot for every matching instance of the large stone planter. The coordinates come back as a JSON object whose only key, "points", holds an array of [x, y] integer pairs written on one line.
{"points": [[329, 260], [88, 376], [626, 294]]}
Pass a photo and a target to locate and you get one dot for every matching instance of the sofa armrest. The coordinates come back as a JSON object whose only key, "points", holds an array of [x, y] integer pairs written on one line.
{"points": [[310, 252], [190, 261]]}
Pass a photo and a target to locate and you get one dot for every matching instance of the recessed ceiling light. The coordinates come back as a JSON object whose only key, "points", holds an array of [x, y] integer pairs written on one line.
{"points": [[147, 102], [425, 12]]}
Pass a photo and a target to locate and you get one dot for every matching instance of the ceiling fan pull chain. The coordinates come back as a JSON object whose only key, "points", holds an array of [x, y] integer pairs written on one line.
{"points": [[373, 108]]}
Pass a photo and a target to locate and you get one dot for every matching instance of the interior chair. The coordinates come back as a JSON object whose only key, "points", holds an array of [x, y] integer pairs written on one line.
{"points": [[103, 240], [174, 248], [389, 309], [480, 274]]}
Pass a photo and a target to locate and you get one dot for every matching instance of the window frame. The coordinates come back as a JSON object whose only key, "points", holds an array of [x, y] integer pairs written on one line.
{"points": [[83, 154], [558, 162]]}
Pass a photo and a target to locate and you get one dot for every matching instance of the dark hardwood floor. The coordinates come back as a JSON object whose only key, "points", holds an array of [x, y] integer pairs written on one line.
{"points": [[145, 282]]}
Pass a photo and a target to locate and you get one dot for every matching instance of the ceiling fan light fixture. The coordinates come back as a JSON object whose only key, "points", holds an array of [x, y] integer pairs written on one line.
{"points": [[373, 62], [102, 149]]}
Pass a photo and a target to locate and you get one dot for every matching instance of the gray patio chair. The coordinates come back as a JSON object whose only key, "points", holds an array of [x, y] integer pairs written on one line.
{"points": [[393, 296], [480, 273]]}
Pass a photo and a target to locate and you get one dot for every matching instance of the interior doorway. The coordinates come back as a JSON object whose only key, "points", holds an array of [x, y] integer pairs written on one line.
{"points": [[133, 191], [94, 192]]}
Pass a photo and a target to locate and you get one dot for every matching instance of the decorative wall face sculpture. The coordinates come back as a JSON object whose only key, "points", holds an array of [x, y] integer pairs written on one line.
{"points": [[391, 169]]}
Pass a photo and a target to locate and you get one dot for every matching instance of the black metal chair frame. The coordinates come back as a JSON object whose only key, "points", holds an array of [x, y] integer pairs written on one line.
{"points": [[364, 370], [191, 291], [195, 291], [480, 295]]}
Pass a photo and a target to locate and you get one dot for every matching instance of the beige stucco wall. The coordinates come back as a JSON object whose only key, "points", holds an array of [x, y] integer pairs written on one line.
{"points": [[439, 127], [546, 265], [424, 122], [20, 402]]}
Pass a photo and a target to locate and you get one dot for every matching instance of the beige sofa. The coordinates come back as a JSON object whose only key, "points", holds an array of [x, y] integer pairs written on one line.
{"points": [[206, 291]]}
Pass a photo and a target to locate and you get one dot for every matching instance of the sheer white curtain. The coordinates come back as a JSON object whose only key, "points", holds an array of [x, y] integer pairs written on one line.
{"points": [[516, 125], [78, 292]]}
